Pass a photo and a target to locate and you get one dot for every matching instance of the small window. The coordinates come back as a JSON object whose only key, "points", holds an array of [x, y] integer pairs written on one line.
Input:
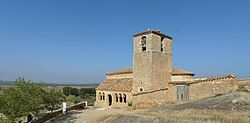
{"points": [[116, 97], [124, 98], [120, 98], [144, 43], [162, 45], [140, 89]]}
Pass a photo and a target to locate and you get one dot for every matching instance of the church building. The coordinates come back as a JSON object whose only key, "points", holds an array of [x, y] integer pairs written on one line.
{"points": [[153, 80]]}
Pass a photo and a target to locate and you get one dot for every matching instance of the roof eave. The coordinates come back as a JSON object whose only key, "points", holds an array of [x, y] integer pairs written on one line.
{"points": [[154, 32]]}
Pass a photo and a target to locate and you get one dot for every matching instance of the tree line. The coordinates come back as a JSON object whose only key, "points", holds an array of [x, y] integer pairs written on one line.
{"points": [[83, 92], [76, 95]]}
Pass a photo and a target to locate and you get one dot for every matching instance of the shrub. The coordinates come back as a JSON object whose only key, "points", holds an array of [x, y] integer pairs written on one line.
{"points": [[242, 88], [73, 99]]}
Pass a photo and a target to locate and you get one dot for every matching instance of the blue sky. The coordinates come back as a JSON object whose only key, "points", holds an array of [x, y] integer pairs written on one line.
{"points": [[76, 41]]}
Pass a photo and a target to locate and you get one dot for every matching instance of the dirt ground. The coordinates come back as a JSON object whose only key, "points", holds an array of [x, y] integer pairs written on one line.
{"points": [[111, 115], [99, 115], [228, 108], [91, 115]]}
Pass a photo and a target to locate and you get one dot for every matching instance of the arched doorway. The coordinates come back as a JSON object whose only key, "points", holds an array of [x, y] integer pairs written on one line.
{"points": [[110, 100]]}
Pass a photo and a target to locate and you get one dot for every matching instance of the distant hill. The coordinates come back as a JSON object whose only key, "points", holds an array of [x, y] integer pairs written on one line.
{"points": [[4, 82], [86, 84]]}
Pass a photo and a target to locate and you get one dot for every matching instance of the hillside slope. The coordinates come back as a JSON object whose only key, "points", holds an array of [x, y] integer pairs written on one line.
{"points": [[231, 101], [232, 107]]}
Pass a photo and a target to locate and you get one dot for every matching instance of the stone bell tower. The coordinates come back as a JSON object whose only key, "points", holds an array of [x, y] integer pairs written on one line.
{"points": [[152, 61]]}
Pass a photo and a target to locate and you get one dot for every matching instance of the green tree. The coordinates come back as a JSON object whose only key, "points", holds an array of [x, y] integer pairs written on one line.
{"points": [[11, 104], [86, 93], [32, 93], [21, 99], [85, 96], [67, 90], [70, 91], [88, 90], [74, 91], [73, 99], [53, 98]]}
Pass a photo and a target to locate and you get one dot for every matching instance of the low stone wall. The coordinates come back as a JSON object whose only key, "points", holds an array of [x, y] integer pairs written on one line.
{"points": [[211, 88], [49, 116]]}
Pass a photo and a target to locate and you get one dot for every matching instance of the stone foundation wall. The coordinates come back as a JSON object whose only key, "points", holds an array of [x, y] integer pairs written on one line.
{"points": [[163, 96], [211, 88]]}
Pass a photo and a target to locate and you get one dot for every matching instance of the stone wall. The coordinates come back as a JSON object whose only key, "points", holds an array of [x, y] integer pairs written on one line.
{"points": [[121, 102], [211, 88], [151, 68], [147, 99], [182, 78]]}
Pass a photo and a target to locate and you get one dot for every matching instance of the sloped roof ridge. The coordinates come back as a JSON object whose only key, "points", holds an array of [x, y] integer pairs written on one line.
{"points": [[176, 71], [122, 71], [208, 79]]}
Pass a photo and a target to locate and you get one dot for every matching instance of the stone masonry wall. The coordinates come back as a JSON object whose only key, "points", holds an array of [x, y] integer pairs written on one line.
{"points": [[151, 68], [210, 88], [164, 96], [152, 71]]}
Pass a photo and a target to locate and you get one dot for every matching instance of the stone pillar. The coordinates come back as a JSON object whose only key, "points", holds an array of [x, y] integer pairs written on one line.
{"points": [[113, 99]]}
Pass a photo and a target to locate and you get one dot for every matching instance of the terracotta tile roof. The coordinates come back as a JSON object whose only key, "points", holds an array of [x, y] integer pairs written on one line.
{"points": [[122, 71], [176, 71], [202, 80], [124, 84], [157, 32]]}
